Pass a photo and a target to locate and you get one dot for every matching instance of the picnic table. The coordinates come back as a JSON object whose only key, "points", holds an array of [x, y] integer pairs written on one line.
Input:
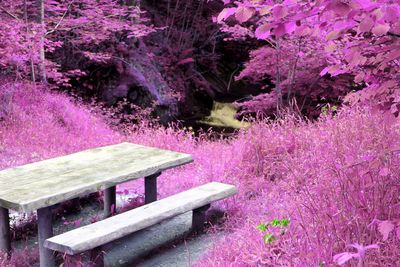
{"points": [[41, 185]]}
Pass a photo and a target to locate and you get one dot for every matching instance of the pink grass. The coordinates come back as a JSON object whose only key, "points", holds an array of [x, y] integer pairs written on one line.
{"points": [[331, 178]]}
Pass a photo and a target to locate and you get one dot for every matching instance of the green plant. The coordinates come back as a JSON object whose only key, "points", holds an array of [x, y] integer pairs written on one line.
{"points": [[272, 227]]}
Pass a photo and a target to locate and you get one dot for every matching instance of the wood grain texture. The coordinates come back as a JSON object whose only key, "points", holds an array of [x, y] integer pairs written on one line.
{"points": [[113, 228], [41, 184]]}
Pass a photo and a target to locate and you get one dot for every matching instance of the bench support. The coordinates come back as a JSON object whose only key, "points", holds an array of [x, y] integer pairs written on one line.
{"points": [[45, 229], [199, 218], [110, 201], [5, 242], [150, 188], [97, 257]]}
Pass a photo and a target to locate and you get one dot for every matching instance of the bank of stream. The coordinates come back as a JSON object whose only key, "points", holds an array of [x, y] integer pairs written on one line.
{"points": [[222, 121]]}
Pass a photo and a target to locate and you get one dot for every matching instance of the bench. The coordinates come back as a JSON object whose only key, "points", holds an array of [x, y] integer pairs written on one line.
{"points": [[93, 236], [41, 185]]}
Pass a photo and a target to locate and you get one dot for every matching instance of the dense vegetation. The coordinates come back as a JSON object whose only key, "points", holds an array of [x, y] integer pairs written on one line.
{"points": [[318, 185]]}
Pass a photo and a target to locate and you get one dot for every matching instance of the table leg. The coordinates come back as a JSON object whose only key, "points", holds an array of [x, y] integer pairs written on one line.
{"points": [[5, 242], [45, 229], [199, 218], [110, 201], [150, 188]]}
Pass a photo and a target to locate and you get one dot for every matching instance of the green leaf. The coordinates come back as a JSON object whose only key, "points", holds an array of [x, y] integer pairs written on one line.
{"points": [[262, 227], [285, 222], [275, 222], [269, 238]]}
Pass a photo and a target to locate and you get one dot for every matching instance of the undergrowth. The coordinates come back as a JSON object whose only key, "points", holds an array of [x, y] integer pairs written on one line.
{"points": [[335, 180]]}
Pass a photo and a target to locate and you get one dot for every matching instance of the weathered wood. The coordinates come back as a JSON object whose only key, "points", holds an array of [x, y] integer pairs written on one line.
{"points": [[199, 218], [97, 257], [52, 181], [5, 242], [45, 230], [150, 188], [110, 201], [113, 228]]}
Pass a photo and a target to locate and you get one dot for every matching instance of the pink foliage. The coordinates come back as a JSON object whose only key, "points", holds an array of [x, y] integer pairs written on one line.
{"points": [[296, 66], [82, 29], [326, 177], [361, 38], [41, 124]]}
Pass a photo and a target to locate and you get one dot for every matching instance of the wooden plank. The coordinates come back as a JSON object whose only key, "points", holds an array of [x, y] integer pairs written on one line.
{"points": [[113, 228], [36, 185]]}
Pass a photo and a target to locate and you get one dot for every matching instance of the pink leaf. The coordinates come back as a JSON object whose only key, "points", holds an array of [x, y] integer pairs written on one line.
{"points": [[290, 27], [279, 12], [359, 77], [361, 249], [332, 35], [243, 13], [381, 29], [185, 61], [265, 10], [392, 13], [280, 30], [344, 257], [365, 25], [226, 13], [263, 32], [324, 71], [339, 8], [393, 55], [385, 227]]}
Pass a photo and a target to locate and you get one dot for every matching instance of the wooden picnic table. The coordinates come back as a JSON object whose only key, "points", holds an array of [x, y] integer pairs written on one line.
{"points": [[39, 186]]}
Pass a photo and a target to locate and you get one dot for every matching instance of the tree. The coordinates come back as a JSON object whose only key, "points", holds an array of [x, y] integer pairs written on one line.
{"points": [[359, 37], [47, 35]]}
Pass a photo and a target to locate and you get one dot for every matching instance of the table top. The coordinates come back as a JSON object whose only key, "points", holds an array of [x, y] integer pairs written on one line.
{"points": [[41, 184]]}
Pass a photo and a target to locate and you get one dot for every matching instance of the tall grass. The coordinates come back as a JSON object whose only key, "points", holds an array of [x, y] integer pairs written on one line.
{"points": [[336, 179]]}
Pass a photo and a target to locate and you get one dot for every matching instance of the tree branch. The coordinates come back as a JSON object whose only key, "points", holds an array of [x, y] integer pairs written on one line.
{"points": [[59, 22], [9, 13]]}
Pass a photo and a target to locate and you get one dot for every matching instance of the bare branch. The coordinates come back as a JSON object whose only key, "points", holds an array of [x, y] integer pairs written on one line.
{"points": [[9, 13], [62, 18]]}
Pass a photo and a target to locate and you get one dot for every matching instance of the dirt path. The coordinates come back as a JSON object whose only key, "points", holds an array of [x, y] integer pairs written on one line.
{"points": [[167, 244]]}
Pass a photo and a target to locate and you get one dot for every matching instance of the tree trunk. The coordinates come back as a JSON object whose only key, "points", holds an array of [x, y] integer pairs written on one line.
{"points": [[278, 87], [33, 76], [40, 20]]}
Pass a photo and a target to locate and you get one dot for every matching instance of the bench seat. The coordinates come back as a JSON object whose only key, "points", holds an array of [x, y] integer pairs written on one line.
{"points": [[102, 232]]}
